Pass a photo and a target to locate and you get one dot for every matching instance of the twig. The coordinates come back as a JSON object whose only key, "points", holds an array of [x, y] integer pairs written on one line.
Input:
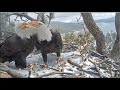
{"points": [[51, 73], [31, 68], [102, 61], [78, 19], [102, 67], [97, 69], [53, 68], [29, 74], [75, 64], [88, 72], [96, 54], [87, 56], [2, 39], [107, 61], [109, 45], [91, 61], [80, 68], [105, 67], [100, 74]]}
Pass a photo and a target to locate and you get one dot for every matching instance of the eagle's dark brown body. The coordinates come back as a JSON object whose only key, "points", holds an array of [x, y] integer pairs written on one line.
{"points": [[54, 46], [16, 49]]}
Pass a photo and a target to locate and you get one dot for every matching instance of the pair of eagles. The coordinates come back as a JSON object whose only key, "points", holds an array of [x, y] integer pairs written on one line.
{"points": [[29, 34]]}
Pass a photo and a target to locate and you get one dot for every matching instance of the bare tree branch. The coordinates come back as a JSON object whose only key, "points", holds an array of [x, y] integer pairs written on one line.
{"points": [[11, 72], [40, 15], [51, 16], [98, 70], [52, 73], [53, 68], [23, 15], [80, 68], [94, 53], [78, 19], [75, 64]]}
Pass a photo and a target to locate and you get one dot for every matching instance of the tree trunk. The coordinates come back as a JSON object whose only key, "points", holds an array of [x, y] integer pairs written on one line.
{"points": [[0, 26], [95, 31], [115, 53]]}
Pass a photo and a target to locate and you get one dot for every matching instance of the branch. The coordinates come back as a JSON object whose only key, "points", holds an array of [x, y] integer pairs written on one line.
{"points": [[94, 53], [49, 22], [97, 69], [78, 19], [23, 15], [80, 68], [53, 68], [51, 73], [75, 64], [2, 39], [29, 74], [40, 14], [100, 74], [109, 45], [11, 72], [85, 58], [110, 62], [89, 72], [31, 68]]}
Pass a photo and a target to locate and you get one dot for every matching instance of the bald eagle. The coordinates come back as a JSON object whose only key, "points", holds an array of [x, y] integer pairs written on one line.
{"points": [[53, 46], [16, 49]]}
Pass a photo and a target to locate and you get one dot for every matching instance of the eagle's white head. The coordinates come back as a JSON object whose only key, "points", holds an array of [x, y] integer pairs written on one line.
{"points": [[27, 29]]}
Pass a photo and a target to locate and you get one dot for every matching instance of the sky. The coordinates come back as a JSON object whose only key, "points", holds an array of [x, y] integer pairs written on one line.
{"points": [[71, 16], [68, 17]]}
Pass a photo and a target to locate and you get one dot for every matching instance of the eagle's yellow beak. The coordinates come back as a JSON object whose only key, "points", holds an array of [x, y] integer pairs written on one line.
{"points": [[36, 23], [24, 25]]}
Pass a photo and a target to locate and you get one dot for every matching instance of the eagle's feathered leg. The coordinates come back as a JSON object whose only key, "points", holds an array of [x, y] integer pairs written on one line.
{"points": [[58, 57], [44, 55]]}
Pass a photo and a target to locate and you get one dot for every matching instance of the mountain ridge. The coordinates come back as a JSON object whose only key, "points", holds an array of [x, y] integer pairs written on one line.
{"points": [[111, 19], [104, 24]]}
